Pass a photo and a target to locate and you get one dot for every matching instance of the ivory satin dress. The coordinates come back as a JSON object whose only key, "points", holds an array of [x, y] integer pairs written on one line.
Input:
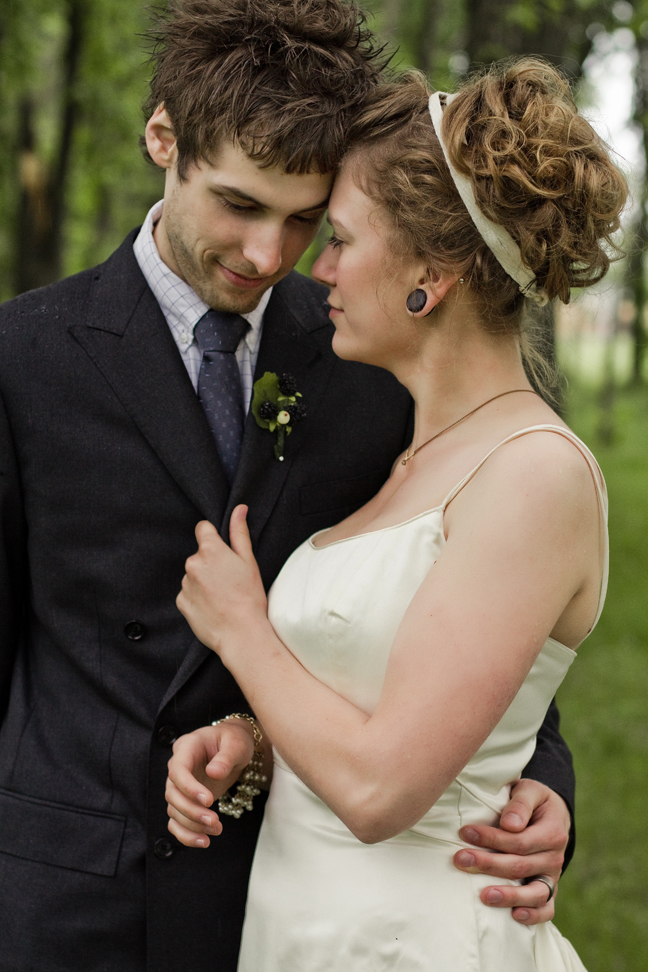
{"points": [[319, 899]]}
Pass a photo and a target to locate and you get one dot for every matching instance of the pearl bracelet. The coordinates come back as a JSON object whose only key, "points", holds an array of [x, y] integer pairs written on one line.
{"points": [[247, 789]]}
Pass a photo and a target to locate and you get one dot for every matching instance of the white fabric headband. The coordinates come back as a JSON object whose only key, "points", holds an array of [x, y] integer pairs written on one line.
{"points": [[498, 240]]}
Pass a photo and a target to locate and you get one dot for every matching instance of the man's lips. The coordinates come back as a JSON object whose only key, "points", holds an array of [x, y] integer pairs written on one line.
{"points": [[243, 283]]}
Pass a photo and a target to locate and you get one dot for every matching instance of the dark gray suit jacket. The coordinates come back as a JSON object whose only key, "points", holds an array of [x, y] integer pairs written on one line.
{"points": [[106, 465]]}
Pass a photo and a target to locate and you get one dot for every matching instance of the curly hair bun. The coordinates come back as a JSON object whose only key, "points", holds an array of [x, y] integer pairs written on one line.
{"points": [[539, 169]]}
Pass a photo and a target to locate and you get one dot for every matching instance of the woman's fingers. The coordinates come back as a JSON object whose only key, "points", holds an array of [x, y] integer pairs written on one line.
{"points": [[236, 749], [189, 760], [240, 534], [189, 812], [186, 836], [195, 829], [206, 532]]}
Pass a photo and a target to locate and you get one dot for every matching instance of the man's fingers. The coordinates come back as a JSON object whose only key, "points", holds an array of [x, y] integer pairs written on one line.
{"points": [[526, 797], [509, 866], [530, 896], [534, 916], [528, 901], [534, 840]]}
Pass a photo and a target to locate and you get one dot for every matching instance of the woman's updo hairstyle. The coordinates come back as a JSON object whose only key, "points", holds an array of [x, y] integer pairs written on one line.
{"points": [[536, 166]]}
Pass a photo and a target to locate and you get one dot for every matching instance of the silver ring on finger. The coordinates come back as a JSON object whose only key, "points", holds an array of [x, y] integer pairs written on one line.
{"points": [[545, 880]]}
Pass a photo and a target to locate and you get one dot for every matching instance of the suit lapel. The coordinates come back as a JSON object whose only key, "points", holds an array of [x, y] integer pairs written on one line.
{"points": [[296, 340], [129, 341]]}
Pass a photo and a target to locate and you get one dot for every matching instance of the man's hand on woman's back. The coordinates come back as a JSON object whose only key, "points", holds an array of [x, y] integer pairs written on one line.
{"points": [[530, 840]]}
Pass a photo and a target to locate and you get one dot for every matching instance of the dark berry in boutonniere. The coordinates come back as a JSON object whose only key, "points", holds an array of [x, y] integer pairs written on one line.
{"points": [[275, 406]]}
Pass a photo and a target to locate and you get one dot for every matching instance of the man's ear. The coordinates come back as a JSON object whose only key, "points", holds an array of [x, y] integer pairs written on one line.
{"points": [[160, 139], [434, 286]]}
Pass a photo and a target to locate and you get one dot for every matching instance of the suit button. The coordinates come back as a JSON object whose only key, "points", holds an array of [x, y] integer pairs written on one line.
{"points": [[163, 848], [135, 630], [167, 735]]}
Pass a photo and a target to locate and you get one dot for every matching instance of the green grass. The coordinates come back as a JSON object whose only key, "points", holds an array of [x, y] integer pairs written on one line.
{"points": [[603, 904]]}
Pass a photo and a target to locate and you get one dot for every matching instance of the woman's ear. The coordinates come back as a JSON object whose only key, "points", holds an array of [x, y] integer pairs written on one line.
{"points": [[160, 139], [430, 290]]}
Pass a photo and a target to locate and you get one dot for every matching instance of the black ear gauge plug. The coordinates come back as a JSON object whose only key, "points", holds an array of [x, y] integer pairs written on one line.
{"points": [[416, 301]]}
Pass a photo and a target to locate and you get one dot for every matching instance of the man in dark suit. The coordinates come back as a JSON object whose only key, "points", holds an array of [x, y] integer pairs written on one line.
{"points": [[115, 442]]}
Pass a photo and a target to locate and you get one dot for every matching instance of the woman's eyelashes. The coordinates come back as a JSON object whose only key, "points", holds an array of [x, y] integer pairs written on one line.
{"points": [[334, 241]]}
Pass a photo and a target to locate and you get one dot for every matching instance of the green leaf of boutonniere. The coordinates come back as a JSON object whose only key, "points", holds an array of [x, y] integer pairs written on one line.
{"points": [[275, 406]]}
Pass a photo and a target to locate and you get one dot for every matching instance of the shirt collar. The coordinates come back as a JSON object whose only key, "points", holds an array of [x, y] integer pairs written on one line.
{"points": [[181, 306]]}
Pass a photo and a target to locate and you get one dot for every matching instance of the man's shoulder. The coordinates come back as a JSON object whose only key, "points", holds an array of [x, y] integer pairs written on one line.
{"points": [[304, 298], [67, 299], [44, 301]]}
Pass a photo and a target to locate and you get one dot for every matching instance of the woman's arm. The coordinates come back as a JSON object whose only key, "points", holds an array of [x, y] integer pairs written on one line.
{"points": [[516, 557]]}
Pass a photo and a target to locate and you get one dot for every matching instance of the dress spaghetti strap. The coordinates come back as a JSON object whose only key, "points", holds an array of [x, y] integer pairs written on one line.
{"points": [[599, 485]]}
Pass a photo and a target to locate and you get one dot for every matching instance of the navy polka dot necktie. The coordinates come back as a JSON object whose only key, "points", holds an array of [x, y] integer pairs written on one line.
{"points": [[218, 335]]}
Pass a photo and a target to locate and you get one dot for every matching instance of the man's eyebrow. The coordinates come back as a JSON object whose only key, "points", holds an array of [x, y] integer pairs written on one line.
{"points": [[233, 191], [315, 208]]}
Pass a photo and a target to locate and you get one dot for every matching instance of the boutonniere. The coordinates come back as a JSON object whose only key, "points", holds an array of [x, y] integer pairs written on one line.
{"points": [[275, 406]]}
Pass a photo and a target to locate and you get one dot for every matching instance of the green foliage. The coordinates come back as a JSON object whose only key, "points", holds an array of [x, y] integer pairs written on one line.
{"points": [[603, 903], [108, 187], [111, 185], [603, 900]]}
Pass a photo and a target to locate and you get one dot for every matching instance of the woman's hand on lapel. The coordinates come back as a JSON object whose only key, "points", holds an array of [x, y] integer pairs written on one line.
{"points": [[222, 592]]}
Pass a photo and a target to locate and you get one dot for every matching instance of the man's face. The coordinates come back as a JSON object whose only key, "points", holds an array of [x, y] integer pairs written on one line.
{"points": [[233, 229]]}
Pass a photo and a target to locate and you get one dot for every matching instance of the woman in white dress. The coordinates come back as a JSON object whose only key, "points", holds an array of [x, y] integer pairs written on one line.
{"points": [[405, 658]]}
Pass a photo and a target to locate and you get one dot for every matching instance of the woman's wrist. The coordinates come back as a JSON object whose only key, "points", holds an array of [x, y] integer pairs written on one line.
{"points": [[245, 644], [252, 777]]}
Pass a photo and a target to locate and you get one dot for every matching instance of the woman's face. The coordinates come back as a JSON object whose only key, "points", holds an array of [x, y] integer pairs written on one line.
{"points": [[368, 286]]}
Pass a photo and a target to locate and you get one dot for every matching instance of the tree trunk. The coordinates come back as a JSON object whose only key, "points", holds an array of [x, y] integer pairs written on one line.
{"points": [[42, 205], [427, 36], [636, 265], [502, 28], [392, 10]]}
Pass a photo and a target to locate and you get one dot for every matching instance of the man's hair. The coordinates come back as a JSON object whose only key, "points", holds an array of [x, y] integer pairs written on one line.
{"points": [[281, 78]]}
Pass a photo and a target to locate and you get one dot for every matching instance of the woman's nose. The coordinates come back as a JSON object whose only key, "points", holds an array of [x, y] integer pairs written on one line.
{"points": [[324, 268]]}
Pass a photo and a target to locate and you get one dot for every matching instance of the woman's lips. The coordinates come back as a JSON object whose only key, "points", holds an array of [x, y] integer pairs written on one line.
{"points": [[243, 283]]}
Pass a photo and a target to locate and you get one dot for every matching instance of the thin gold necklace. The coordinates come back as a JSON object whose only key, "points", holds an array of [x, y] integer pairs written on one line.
{"points": [[512, 391]]}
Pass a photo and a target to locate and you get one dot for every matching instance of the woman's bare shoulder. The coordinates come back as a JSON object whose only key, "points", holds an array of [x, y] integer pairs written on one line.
{"points": [[541, 471]]}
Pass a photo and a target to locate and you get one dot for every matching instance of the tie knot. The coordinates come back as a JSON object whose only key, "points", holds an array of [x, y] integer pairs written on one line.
{"points": [[220, 331]]}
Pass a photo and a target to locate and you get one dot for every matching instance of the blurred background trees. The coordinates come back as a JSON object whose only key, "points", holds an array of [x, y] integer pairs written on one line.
{"points": [[73, 183]]}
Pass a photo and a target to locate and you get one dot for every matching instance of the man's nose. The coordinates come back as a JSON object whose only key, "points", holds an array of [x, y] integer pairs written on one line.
{"points": [[264, 249]]}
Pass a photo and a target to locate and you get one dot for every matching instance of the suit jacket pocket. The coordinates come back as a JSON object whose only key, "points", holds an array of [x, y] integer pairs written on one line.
{"points": [[342, 494], [53, 833]]}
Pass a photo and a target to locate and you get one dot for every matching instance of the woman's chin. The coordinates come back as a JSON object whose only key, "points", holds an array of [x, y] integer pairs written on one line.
{"points": [[351, 350]]}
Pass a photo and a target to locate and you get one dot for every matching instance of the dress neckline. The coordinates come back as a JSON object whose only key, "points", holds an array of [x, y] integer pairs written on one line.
{"points": [[599, 484], [371, 533], [561, 430]]}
